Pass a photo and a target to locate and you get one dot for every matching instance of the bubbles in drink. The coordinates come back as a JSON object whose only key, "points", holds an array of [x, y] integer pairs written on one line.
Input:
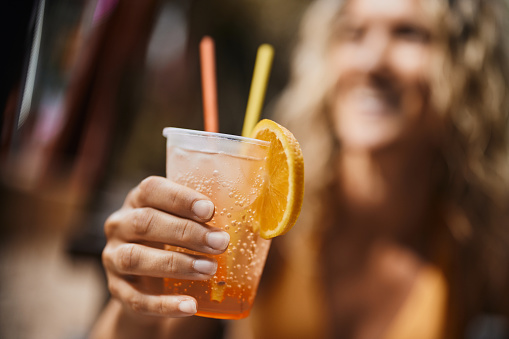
{"points": [[233, 184]]}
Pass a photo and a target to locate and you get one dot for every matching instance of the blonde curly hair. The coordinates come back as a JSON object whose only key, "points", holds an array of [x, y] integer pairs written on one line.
{"points": [[470, 92]]}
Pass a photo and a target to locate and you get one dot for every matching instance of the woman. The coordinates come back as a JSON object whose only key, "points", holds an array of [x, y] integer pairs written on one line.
{"points": [[402, 110]]}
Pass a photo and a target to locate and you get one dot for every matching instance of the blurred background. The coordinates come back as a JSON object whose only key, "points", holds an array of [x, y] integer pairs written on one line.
{"points": [[86, 88]]}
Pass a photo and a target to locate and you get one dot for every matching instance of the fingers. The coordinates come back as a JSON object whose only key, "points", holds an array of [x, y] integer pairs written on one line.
{"points": [[148, 224], [148, 304], [159, 211], [165, 195], [140, 260]]}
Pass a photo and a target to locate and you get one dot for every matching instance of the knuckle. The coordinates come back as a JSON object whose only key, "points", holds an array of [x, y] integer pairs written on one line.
{"points": [[136, 303], [184, 231], [113, 288], [173, 198], [106, 256], [142, 221], [146, 187], [128, 257], [180, 198], [111, 224], [162, 307], [171, 263]]}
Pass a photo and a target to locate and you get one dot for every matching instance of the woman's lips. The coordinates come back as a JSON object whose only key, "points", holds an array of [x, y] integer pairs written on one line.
{"points": [[374, 103]]}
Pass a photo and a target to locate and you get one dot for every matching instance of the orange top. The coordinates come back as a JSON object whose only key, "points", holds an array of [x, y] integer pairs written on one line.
{"points": [[423, 313], [293, 308]]}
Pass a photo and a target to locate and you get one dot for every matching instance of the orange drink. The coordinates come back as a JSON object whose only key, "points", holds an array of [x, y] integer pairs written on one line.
{"points": [[232, 172]]}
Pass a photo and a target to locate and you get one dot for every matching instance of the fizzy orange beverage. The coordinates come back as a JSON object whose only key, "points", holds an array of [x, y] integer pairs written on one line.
{"points": [[231, 171]]}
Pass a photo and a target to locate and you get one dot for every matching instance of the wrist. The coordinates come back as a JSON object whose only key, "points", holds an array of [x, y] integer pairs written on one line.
{"points": [[116, 321]]}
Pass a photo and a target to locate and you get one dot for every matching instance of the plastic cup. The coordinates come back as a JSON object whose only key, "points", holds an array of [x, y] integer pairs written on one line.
{"points": [[231, 171]]}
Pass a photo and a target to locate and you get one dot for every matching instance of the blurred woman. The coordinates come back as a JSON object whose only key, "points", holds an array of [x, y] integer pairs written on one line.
{"points": [[402, 109]]}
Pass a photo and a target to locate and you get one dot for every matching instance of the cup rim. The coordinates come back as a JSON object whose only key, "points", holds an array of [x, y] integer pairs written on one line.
{"points": [[183, 131]]}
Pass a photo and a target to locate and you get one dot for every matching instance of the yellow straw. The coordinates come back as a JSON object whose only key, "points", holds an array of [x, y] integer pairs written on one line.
{"points": [[258, 87]]}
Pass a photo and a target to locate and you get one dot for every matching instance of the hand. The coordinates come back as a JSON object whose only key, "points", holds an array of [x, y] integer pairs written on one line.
{"points": [[157, 212]]}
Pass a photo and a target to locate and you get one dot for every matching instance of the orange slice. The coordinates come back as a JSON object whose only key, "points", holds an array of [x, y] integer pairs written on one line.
{"points": [[279, 207]]}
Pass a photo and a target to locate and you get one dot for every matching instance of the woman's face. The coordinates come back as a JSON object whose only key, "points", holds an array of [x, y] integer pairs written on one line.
{"points": [[381, 57]]}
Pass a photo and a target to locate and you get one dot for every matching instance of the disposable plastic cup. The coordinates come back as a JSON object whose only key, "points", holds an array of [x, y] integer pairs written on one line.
{"points": [[231, 171]]}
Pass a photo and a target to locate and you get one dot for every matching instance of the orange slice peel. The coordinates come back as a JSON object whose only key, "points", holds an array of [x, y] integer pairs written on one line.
{"points": [[279, 207]]}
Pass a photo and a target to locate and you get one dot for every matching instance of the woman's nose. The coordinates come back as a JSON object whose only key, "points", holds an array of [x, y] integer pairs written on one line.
{"points": [[374, 56]]}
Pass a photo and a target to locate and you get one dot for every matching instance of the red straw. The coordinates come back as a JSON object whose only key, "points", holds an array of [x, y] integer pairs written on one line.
{"points": [[209, 86]]}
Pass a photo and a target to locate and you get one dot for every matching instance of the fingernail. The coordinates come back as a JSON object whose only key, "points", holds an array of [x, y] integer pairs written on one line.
{"points": [[203, 209], [205, 266], [187, 306], [218, 240]]}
